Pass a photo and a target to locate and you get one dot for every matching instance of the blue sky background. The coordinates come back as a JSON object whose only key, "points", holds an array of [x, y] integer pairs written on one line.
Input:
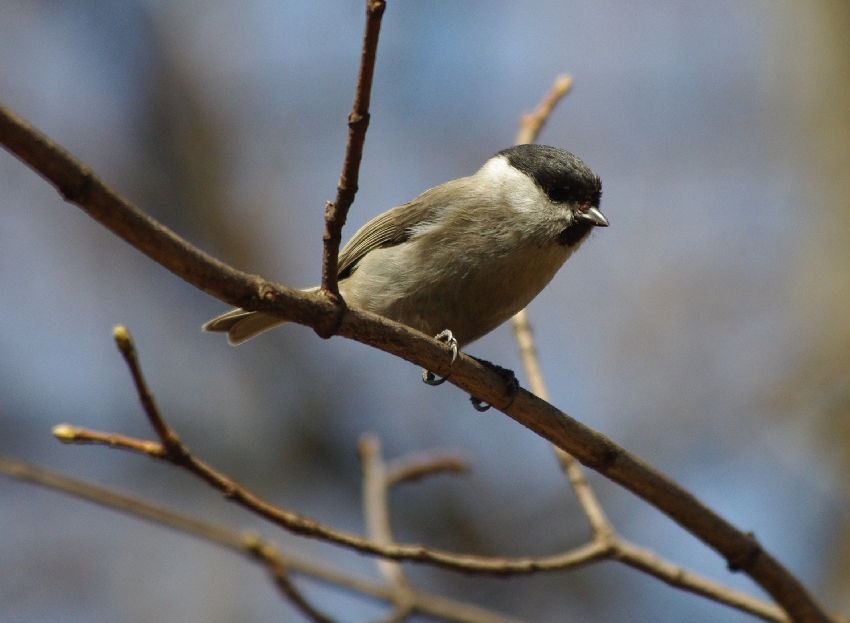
{"points": [[676, 331]]}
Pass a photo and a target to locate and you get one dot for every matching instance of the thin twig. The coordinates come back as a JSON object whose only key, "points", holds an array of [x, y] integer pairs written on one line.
{"points": [[358, 123], [424, 464], [278, 568], [530, 126], [79, 185], [584, 493], [532, 123], [304, 526], [678, 577], [615, 549], [125, 344], [251, 546]]}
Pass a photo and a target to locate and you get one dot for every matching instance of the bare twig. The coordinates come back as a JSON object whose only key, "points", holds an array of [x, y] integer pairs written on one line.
{"points": [[532, 123], [277, 567], [423, 464], [72, 434], [404, 597], [304, 526], [80, 186], [125, 344], [613, 548], [250, 546], [358, 122], [587, 498], [678, 577]]}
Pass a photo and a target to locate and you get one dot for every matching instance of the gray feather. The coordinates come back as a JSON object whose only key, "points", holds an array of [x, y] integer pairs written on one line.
{"points": [[395, 226], [241, 325]]}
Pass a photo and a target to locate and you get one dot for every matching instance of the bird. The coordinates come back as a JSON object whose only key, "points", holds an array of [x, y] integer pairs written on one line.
{"points": [[463, 257]]}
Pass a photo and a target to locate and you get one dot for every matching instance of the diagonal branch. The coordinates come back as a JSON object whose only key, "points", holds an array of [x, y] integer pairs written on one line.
{"points": [[80, 186], [532, 123], [124, 341], [304, 526]]}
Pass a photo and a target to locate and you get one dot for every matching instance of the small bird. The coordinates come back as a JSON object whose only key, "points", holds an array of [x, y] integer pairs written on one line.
{"points": [[464, 256]]}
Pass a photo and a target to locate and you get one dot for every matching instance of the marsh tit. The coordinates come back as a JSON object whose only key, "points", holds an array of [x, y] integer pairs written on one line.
{"points": [[466, 255]]}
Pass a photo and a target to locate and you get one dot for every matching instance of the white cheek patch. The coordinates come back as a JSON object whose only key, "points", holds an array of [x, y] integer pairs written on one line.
{"points": [[516, 187]]}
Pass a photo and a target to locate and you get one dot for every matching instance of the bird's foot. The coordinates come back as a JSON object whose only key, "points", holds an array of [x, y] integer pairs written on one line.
{"points": [[429, 377], [510, 380]]}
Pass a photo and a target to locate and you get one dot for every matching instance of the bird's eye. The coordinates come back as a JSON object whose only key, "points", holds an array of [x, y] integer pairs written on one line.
{"points": [[558, 194]]}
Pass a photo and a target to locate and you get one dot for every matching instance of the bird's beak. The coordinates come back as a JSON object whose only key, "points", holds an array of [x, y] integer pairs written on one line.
{"points": [[594, 216]]}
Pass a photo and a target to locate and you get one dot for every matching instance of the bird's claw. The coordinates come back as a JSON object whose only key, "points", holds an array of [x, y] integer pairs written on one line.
{"points": [[449, 338], [510, 380], [428, 377], [478, 404]]}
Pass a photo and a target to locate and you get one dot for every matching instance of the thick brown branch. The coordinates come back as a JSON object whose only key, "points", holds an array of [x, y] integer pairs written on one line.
{"points": [[251, 292], [358, 122]]}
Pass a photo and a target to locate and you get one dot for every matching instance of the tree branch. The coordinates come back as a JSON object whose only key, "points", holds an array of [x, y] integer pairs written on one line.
{"points": [[251, 545], [79, 185], [298, 524], [377, 514], [422, 464], [377, 480], [532, 123]]}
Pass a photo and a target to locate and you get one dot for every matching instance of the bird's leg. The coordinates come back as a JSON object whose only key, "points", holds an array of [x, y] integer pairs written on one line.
{"points": [[510, 380], [429, 377]]}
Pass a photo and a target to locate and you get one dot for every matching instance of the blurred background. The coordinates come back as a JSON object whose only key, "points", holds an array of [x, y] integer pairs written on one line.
{"points": [[707, 330]]}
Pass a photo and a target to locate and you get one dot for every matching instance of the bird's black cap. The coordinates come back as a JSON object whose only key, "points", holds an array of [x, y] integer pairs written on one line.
{"points": [[563, 177]]}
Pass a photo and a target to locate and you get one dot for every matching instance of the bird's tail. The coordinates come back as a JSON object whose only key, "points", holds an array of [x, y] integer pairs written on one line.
{"points": [[241, 325]]}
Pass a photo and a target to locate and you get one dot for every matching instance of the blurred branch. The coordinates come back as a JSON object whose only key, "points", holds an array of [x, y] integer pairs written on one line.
{"points": [[304, 526], [530, 126], [172, 450], [79, 185], [532, 123], [249, 545], [358, 123], [423, 464], [376, 508]]}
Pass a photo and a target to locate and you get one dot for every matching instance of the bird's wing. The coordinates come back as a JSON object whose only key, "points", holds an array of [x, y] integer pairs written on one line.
{"points": [[393, 226]]}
